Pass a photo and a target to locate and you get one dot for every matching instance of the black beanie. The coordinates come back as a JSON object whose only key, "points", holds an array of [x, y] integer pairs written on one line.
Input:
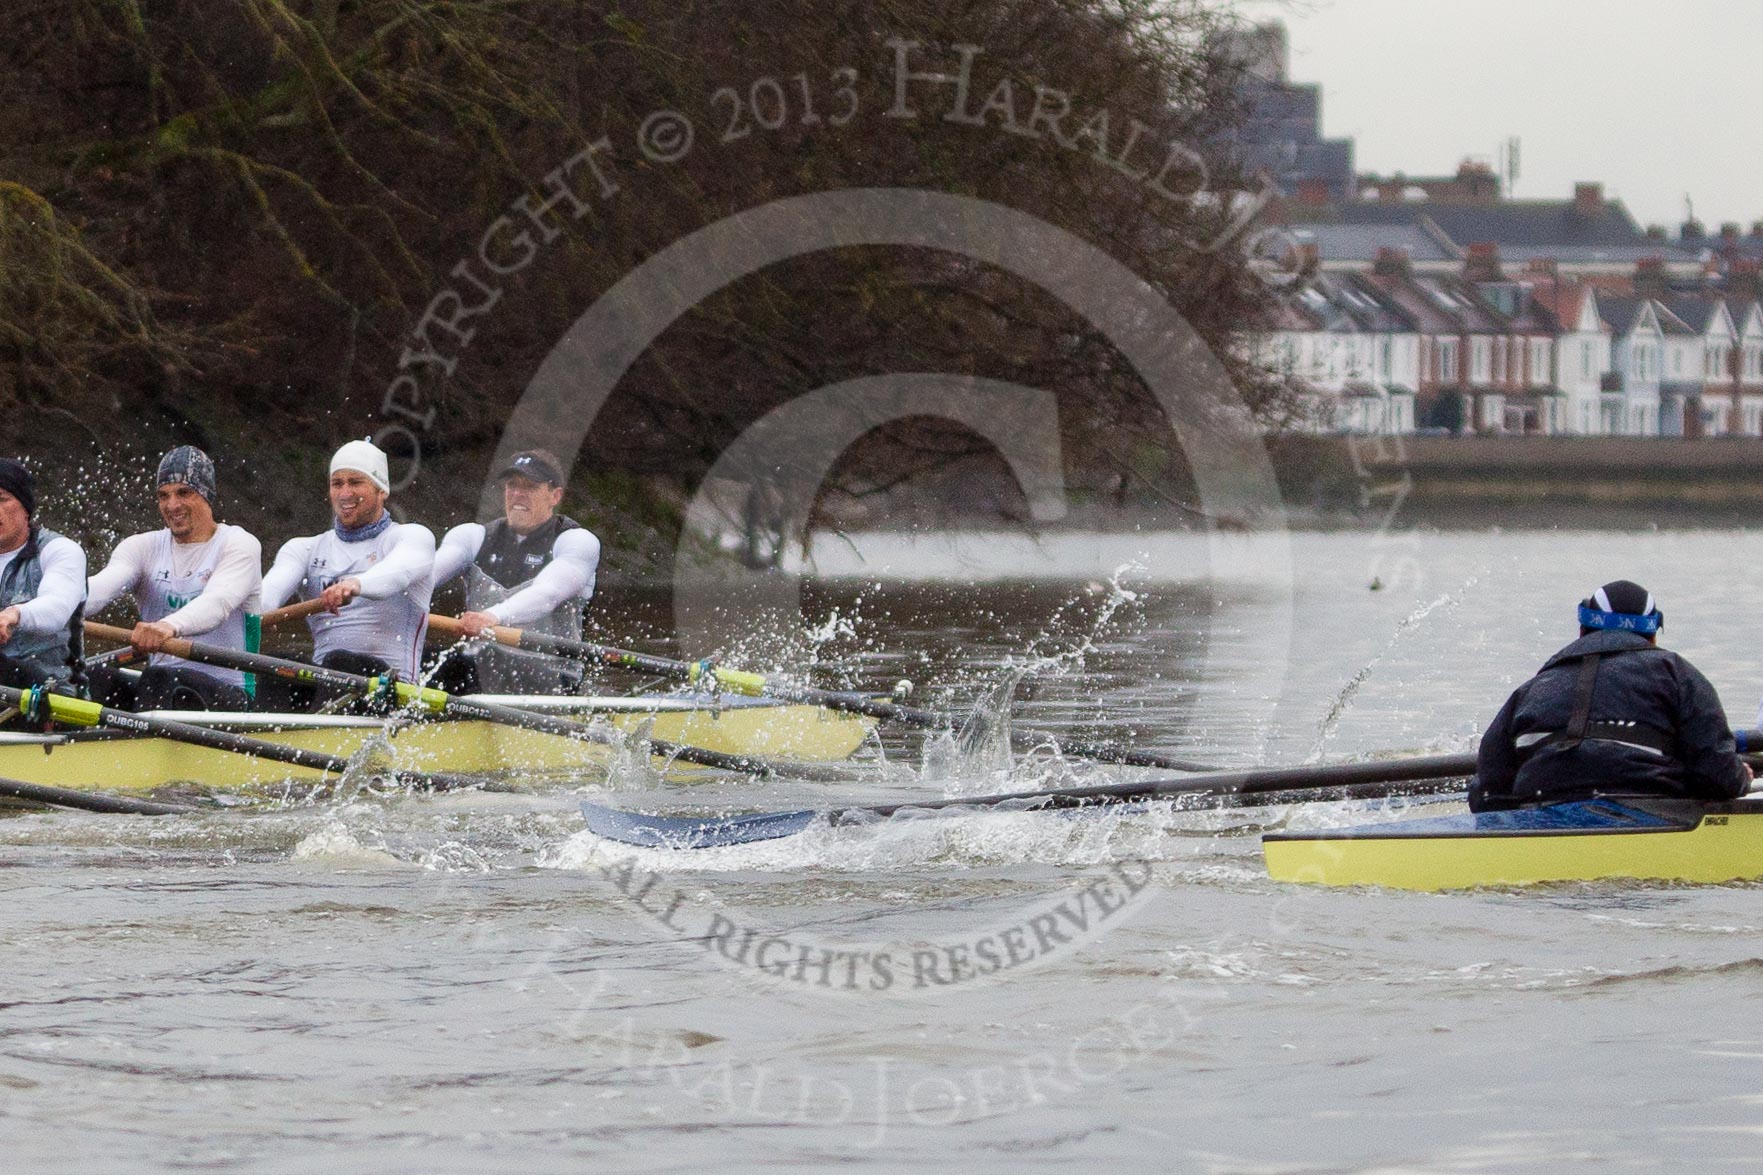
{"points": [[189, 465], [18, 481], [1624, 596]]}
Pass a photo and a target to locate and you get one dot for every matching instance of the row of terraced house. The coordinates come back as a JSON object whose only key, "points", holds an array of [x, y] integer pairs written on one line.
{"points": [[1438, 303], [1389, 347]]}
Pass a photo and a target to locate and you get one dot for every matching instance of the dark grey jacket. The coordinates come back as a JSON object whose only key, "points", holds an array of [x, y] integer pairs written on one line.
{"points": [[1672, 706]]}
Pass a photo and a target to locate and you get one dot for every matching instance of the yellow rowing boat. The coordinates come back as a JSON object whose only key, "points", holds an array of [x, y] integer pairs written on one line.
{"points": [[112, 761]]}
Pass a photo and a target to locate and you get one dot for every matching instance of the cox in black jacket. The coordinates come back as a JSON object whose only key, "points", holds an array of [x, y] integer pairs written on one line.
{"points": [[1655, 728]]}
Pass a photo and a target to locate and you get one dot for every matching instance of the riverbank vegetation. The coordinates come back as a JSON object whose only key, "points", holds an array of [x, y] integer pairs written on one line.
{"points": [[230, 222]]}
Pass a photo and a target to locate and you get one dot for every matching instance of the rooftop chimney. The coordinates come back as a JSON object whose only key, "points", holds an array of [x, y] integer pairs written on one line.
{"points": [[1313, 193], [1391, 262], [1588, 199], [1388, 188], [1477, 183], [1649, 278], [1744, 281], [1483, 262]]}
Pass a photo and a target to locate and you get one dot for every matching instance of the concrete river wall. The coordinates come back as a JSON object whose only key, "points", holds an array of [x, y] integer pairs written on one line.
{"points": [[1562, 481]]}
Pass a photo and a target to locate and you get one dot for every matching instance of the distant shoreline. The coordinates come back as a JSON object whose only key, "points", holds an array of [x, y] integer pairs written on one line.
{"points": [[1547, 482]]}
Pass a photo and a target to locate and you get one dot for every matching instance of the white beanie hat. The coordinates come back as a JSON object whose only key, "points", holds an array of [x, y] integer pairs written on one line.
{"points": [[364, 457]]}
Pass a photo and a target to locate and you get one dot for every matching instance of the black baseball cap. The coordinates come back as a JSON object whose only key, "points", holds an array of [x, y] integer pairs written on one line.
{"points": [[536, 464]]}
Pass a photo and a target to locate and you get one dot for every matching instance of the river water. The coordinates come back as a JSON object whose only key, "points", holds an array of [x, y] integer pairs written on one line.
{"points": [[472, 981]]}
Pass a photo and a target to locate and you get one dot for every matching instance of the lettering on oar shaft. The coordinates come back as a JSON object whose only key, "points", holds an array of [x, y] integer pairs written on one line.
{"points": [[790, 956]]}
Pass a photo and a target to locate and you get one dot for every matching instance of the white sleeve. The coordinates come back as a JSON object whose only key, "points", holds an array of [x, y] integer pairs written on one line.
{"points": [[284, 577], [457, 550], [575, 559], [63, 588], [237, 581], [411, 558], [123, 574]]}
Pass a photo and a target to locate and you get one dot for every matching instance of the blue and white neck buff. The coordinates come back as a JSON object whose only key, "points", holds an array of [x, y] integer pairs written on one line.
{"points": [[361, 534], [1622, 607]]}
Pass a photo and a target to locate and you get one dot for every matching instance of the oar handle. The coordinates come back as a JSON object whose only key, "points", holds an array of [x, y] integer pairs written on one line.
{"points": [[298, 611], [175, 646], [453, 628], [109, 632]]}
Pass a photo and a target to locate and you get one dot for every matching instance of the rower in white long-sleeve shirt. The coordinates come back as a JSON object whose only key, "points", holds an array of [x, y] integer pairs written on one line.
{"points": [[196, 578], [532, 569], [42, 592], [375, 575]]}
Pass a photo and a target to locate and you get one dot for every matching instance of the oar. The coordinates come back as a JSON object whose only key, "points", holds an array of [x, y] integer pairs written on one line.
{"points": [[440, 702], [79, 712], [672, 832], [298, 611], [754, 684], [61, 797]]}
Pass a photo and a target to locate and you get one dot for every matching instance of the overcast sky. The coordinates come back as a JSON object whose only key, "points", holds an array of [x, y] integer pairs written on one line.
{"points": [[1655, 99]]}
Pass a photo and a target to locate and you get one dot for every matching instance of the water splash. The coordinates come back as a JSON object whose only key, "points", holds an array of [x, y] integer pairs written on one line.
{"points": [[111, 495], [909, 841], [978, 757], [370, 767], [629, 765], [339, 846], [1116, 595], [1343, 701]]}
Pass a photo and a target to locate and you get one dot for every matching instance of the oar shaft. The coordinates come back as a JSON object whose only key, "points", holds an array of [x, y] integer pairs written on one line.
{"points": [[754, 684], [440, 702], [1221, 789], [1449, 786], [76, 712], [535, 642], [1255, 781], [61, 797]]}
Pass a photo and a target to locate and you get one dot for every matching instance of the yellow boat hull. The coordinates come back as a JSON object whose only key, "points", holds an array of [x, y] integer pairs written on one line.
{"points": [[99, 760], [1598, 840]]}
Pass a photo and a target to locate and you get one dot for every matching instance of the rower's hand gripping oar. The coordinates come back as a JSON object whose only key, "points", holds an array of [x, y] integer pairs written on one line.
{"points": [[714, 676], [440, 702], [672, 832], [68, 711]]}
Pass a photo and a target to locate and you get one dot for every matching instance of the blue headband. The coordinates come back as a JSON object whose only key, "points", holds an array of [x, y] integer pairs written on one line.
{"points": [[1646, 625]]}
